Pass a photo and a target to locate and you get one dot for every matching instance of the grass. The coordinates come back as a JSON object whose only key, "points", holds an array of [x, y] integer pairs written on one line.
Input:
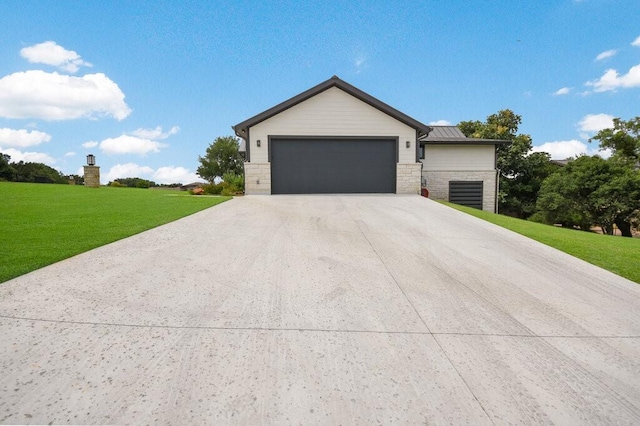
{"points": [[616, 254], [41, 224]]}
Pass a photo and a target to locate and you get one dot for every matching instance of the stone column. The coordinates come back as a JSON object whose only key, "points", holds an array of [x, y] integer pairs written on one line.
{"points": [[92, 176]]}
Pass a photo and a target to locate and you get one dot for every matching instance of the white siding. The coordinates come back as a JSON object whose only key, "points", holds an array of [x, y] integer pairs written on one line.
{"points": [[332, 113], [459, 157]]}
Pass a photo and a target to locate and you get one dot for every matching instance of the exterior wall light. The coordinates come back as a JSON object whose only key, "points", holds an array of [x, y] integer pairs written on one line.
{"points": [[91, 160], [258, 143], [408, 144]]}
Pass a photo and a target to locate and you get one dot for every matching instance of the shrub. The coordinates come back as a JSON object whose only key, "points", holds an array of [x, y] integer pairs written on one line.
{"points": [[232, 183], [212, 188]]}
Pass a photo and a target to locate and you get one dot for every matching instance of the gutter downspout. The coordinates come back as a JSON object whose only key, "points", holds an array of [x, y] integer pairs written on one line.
{"points": [[247, 149], [495, 201], [497, 190]]}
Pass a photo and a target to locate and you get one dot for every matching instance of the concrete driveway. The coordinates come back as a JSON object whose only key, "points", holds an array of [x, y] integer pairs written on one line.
{"points": [[321, 310]]}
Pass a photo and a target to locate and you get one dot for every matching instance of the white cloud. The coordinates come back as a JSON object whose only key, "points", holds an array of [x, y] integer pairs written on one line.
{"points": [[611, 80], [636, 42], [155, 134], [127, 144], [127, 170], [140, 141], [22, 138], [50, 53], [440, 123], [360, 63], [593, 123], [606, 54], [171, 174], [168, 174], [70, 154], [90, 144], [560, 150], [562, 91], [28, 157], [60, 97]]}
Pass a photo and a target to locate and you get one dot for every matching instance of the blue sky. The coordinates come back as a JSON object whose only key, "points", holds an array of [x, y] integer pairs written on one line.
{"points": [[147, 85]]}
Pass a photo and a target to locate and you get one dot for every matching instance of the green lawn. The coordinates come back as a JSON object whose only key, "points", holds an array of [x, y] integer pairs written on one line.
{"points": [[41, 224], [616, 254]]}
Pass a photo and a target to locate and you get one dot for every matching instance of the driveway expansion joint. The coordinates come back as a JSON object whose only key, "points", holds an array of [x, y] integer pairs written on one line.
{"points": [[311, 330]]}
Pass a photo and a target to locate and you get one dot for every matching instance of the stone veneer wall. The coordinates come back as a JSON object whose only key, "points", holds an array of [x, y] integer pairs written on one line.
{"points": [[92, 176], [437, 182], [408, 178], [257, 178]]}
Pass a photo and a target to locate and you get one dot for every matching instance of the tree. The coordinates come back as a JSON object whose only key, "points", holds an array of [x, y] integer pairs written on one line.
{"points": [[37, 172], [591, 190], [521, 172], [520, 191], [7, 172], [222, 157], [623, 139], [134, 182]]}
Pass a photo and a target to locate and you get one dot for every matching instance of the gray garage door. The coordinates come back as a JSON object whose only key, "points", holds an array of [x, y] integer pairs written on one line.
{"points": [[466, 193], [332, 166]]}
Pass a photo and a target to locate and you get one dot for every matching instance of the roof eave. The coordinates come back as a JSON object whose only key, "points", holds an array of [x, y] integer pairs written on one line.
{"points": [[463, 141]]}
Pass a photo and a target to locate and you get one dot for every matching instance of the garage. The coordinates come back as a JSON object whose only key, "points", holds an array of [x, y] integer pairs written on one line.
{"points": [[324, 165], [331, 139]]}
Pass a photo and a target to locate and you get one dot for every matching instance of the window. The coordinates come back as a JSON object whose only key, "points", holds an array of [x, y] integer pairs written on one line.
{"points": [[421, 153]]}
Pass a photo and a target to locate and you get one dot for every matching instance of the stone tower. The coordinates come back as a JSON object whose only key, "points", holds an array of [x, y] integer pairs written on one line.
{"points": [[91, 173]]}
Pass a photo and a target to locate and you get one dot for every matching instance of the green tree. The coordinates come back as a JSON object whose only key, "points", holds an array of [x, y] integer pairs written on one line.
{"points": [[592, 191], [222, 157], [7, 172], [520, 191], [134, 182], [623, 139], [37, 172], [555, 207], [521, 172]]}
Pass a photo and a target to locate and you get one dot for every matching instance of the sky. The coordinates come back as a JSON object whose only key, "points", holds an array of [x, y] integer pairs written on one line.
{"points": [[146, 86]]}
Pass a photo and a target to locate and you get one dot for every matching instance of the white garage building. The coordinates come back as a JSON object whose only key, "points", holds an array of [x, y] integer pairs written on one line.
{"points": [[335, 138]]}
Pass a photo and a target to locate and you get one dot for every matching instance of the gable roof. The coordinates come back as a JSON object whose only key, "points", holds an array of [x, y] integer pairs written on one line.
{"points": [[452, 135], [241, 129]]}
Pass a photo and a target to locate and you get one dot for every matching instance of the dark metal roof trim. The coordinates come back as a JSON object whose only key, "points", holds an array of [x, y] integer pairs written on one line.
{"points": [[241, 129]]}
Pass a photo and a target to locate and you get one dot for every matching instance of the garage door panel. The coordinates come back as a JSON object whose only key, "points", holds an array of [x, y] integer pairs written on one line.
{"points": [[325, 166]]}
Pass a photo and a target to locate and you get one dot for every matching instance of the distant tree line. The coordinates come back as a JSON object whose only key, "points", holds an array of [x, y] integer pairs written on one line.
{"points": [[30, 172], [136, 182], [589, 191]]}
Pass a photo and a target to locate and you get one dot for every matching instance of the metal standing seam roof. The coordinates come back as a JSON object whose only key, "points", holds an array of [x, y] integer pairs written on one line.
{"points": [[241, 129], [452, 135], [445, 132]]}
